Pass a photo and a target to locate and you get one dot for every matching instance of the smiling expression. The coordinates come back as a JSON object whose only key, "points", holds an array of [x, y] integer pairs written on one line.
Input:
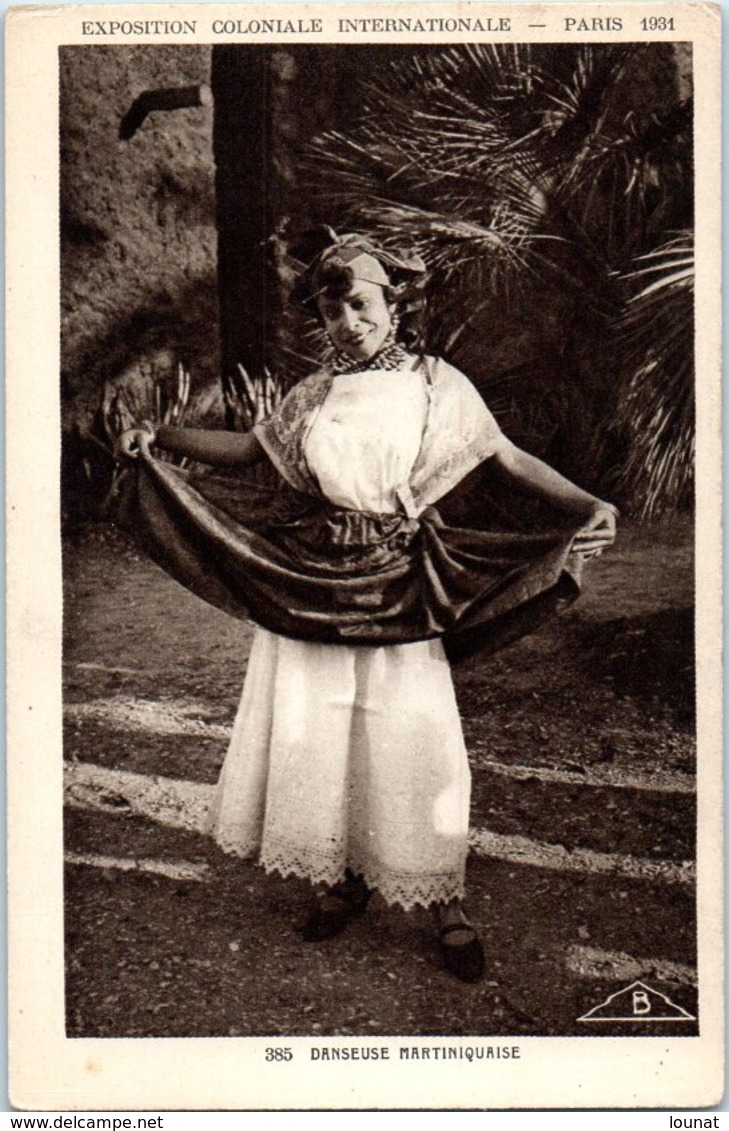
{"points": [[359, 322]]}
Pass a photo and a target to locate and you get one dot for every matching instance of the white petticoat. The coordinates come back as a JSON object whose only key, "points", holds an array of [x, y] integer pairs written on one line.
{"points": [[349, 757], [352, 757]]}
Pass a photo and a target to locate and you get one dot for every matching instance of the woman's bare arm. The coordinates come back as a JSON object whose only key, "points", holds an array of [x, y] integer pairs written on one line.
{"points": [[202, 444], [532, 473], [210, 446], [535, 475]]}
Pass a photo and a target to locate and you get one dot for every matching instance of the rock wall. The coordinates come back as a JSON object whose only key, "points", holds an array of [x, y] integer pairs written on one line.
{"points": [[138, 242]]}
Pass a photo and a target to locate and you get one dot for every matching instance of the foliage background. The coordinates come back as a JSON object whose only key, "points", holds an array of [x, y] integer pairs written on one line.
{"points": [[550, 190]]}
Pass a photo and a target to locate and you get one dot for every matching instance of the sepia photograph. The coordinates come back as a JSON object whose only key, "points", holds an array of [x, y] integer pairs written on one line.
{"points": [[377, 529]]}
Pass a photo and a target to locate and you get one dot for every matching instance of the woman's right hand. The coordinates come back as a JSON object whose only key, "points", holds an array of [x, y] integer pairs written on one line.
{"points": [[132, 442]]}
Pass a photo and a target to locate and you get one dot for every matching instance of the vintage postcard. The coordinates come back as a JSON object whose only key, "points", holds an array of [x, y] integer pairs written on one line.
{"points": [[364, 557]]}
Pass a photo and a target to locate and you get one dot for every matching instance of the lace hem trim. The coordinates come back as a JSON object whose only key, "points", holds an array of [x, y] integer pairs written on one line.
{"points": [[404, 889]]}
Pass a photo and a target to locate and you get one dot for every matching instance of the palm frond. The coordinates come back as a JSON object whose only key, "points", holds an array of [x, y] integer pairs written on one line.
{"points": [[656, 336], [525, 172]]}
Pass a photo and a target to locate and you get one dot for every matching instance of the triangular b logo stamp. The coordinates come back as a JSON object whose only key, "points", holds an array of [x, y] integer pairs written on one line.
{"points": [[637, 1002]]}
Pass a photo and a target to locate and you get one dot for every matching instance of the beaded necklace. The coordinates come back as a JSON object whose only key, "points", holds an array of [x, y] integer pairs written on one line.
{"points": [[392, 355]]}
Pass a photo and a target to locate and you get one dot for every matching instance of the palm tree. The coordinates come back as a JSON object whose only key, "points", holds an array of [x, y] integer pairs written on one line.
{"points": [[541, 185]]}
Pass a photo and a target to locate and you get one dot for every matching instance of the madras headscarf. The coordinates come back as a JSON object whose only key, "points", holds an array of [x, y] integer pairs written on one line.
{"points": [[322, 247]]}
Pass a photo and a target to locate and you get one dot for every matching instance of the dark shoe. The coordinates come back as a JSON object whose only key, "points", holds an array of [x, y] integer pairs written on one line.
{"points": [[465, 960], [334, 910]]}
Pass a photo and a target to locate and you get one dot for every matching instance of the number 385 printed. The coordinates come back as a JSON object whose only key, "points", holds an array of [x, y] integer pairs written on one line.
{"points": [[279, 1054]]}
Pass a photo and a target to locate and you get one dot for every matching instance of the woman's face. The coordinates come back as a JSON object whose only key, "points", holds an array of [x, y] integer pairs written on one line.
{"points": [[359, 322]]}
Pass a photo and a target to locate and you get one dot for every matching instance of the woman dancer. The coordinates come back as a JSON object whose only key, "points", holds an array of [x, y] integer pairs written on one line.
{"points": [[347, 764]]}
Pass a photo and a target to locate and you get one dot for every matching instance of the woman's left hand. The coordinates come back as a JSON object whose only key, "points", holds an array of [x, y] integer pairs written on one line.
{"points": [[597, 534]]}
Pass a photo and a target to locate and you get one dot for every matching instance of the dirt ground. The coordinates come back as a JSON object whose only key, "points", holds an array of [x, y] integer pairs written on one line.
{"points": [[581, 874]]}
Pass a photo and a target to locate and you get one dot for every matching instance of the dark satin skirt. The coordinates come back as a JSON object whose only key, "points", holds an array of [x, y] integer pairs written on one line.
{"points": [[480, 569]]}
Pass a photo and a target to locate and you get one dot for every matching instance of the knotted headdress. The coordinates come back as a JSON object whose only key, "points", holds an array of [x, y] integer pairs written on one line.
{"points": [[322, 247]]}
